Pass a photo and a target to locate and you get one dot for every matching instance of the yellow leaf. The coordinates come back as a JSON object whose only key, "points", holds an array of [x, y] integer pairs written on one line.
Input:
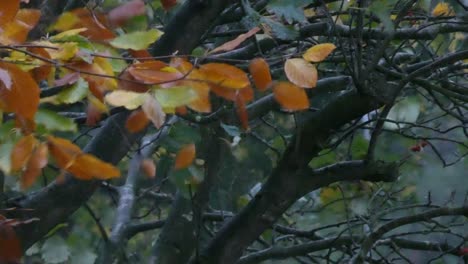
{"points": [[68, 33], [319, 52], [66, 21], [301, 73], [129, 100], [442, 9]]}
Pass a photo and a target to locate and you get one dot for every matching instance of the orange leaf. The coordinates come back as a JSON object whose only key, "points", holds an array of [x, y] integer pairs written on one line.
{"points": [[8, 10], [137, 121], [242, 112], [290, 97], [168, 4], [319, 52], [185, 157], [154, 72], [16, 31], [83, 166], [121, 14], [148, 167], [22, 152], [230, 94], [36, 163], [230, 45], [23, 96], [225, 75], [301, 73], [154, 111], [260, 73]]}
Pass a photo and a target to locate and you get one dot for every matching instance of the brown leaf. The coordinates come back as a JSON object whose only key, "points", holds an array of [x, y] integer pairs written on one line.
{"points": [[96, 24], [185, 157], [225, 75], [148, 167], [10, 246], [22, 152], [290, 97], [121, 14], [137, 121], [42, 72], [319, 52], [154, 72], [36, 163], [260, 72], [83, 166], [230, 45], [154, 111], [23, 96], [168, 4], [8, 9], [16, 31], [301, 73]]}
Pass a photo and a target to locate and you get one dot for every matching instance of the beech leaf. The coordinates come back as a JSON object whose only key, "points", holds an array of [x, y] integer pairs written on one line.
{"points": [[319, 52], [290, 97], [260, 71], [154, 111], [230, 45], [136, 40], [185, 157], [301, 73], [129, 100]]}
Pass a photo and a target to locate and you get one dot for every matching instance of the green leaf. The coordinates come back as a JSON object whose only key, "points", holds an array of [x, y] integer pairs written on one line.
{"points": [[289, 10], [382, 9], [6, 129], [83, 257], [173, 97], [54, 122], [138, 40], [77, 92], [55, 250], [281, 31]]}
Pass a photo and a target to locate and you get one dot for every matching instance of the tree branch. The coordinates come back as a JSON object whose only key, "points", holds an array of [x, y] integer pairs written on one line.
{"points": [[379, 232]]}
